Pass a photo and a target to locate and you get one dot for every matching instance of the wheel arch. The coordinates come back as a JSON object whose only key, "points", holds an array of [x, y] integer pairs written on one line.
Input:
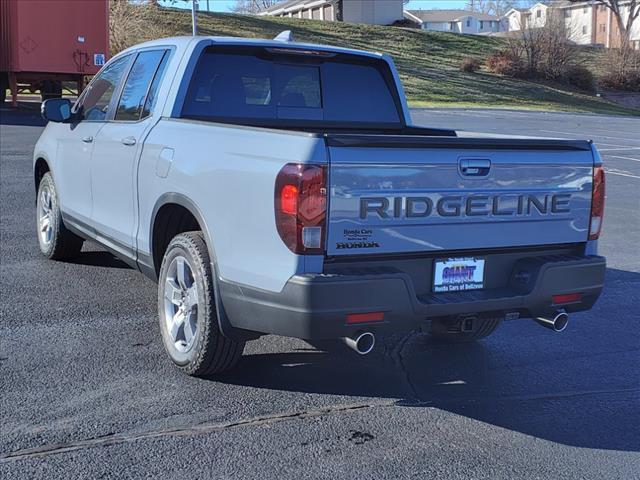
{"points": [[40, 167], [175, 201]]}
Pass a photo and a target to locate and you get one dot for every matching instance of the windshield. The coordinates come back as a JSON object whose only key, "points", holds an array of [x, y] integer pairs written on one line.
{"points": [[272, 87]]}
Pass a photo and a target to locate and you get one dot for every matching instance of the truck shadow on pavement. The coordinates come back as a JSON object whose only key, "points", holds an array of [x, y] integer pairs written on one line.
{"points": [[580, 388], [98, 259]]}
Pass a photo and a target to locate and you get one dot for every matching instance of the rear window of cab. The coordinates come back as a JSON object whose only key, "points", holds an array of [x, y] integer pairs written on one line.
{"points": [[275, 87]]}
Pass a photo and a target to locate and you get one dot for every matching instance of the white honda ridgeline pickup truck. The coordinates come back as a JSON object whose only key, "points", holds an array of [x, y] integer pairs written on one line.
{"points": [[272, 187]]}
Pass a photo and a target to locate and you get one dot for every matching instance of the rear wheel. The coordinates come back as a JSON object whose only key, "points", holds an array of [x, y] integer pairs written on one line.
{"points": [[55, 240], [464, 329], [50, 89], [187, 311]]}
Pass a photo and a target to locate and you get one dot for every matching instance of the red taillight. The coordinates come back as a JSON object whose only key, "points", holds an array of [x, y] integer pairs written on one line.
{"points": [[300, 206], [597, 203], [365, 317], [566, 298], [289, 199]]}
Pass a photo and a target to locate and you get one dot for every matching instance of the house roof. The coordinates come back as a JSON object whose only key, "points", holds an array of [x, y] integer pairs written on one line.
{"points": [[449, 15]]}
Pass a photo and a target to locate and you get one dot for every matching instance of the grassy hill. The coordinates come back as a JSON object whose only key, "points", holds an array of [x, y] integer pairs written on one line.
{"points": [[428, 62]]}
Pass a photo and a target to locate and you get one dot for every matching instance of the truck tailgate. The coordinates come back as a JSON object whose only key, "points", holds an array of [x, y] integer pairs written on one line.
{"points": [[400, 194]]}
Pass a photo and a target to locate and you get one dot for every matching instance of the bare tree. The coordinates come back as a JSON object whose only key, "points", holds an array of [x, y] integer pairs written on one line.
{"points": [[492, 7], [130, 23], [253, 6], [545, 52], [621, 9], [616, 7]]}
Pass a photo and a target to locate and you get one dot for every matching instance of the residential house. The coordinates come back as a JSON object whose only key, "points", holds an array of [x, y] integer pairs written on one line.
{"points": [[538, 15], [580, 22], [516, 19], [378, 12], [586, 23], [455, 21]]}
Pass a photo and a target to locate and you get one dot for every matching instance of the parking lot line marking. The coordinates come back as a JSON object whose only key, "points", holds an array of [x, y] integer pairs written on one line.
{"points": [[624, 158], [611, 172], [601, 136], [615, 149]]}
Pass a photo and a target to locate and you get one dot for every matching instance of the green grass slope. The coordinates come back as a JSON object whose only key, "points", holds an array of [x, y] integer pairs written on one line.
{"points": [[428, 62]]}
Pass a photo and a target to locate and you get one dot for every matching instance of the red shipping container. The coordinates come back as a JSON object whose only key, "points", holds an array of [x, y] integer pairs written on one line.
{"points": [[52, 40]]}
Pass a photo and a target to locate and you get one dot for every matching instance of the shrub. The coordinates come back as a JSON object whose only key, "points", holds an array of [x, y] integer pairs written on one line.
{"points": [[580, 77], [628, 81], [405, 23], [622, 67], [469, 65], [504, 63]]}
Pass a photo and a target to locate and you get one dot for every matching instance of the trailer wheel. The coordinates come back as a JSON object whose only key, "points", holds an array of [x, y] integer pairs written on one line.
{"points": [[464, 329], [50, 89], [4, 84]]}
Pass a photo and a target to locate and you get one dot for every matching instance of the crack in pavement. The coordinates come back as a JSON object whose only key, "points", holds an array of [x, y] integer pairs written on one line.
{"points": [[396, 355], [115, 439]]}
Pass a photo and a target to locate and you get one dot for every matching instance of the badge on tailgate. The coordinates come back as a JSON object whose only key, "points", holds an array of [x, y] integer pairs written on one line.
{"points": [[458, 274]]}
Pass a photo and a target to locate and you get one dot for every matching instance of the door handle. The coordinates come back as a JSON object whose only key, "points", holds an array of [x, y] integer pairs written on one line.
{"points": [[88, 139], [129, 141]]}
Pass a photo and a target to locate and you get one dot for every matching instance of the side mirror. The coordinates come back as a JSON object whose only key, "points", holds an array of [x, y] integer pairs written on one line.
{"points": [[56, 110]]}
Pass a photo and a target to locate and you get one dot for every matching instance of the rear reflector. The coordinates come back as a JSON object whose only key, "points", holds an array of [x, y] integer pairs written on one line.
{"points": [[567, 298], [365, 317], [597, 203]]}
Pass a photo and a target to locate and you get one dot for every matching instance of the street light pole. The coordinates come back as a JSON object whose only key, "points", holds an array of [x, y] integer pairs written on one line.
{"points": [[194, 17]]}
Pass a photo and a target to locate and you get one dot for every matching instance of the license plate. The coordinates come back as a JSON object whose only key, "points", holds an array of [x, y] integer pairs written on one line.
{"points": [[458, 274]]}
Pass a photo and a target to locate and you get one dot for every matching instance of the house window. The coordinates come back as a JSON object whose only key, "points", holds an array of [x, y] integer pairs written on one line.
{"points": [[538, 13], [481, 24], [567, 13], [468, 22], [603, 28], [584, 29], [584, 9], [328, 12]]}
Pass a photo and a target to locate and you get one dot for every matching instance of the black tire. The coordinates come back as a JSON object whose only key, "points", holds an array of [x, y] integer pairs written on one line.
{"points": [[56, 243], [50, 89], [4, 84], [207, 351], [465, 329]]}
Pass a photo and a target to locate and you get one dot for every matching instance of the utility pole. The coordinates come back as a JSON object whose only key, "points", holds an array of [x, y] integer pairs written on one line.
{"points": [[194, 17]]}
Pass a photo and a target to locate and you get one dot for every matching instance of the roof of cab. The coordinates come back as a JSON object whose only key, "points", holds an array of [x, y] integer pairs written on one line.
{"points": [[185, 42]]}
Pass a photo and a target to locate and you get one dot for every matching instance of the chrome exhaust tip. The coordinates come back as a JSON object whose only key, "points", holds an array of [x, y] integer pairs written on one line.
{"points": [[557, 322], [362, 342]]}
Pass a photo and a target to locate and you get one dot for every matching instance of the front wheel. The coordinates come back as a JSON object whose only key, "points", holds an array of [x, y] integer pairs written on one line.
{"points": [[187, 310], [55, 240]]}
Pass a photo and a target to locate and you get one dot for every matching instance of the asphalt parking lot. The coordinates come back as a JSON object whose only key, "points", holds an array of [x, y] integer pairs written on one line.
{"points": [[86, 390]]}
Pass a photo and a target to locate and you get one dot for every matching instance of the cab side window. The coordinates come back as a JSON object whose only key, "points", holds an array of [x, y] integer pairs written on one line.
{"points": [[139, 86], [94, 104]]}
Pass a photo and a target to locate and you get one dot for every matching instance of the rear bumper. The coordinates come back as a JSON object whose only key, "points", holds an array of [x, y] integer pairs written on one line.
{"points": [[315, 306]]}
